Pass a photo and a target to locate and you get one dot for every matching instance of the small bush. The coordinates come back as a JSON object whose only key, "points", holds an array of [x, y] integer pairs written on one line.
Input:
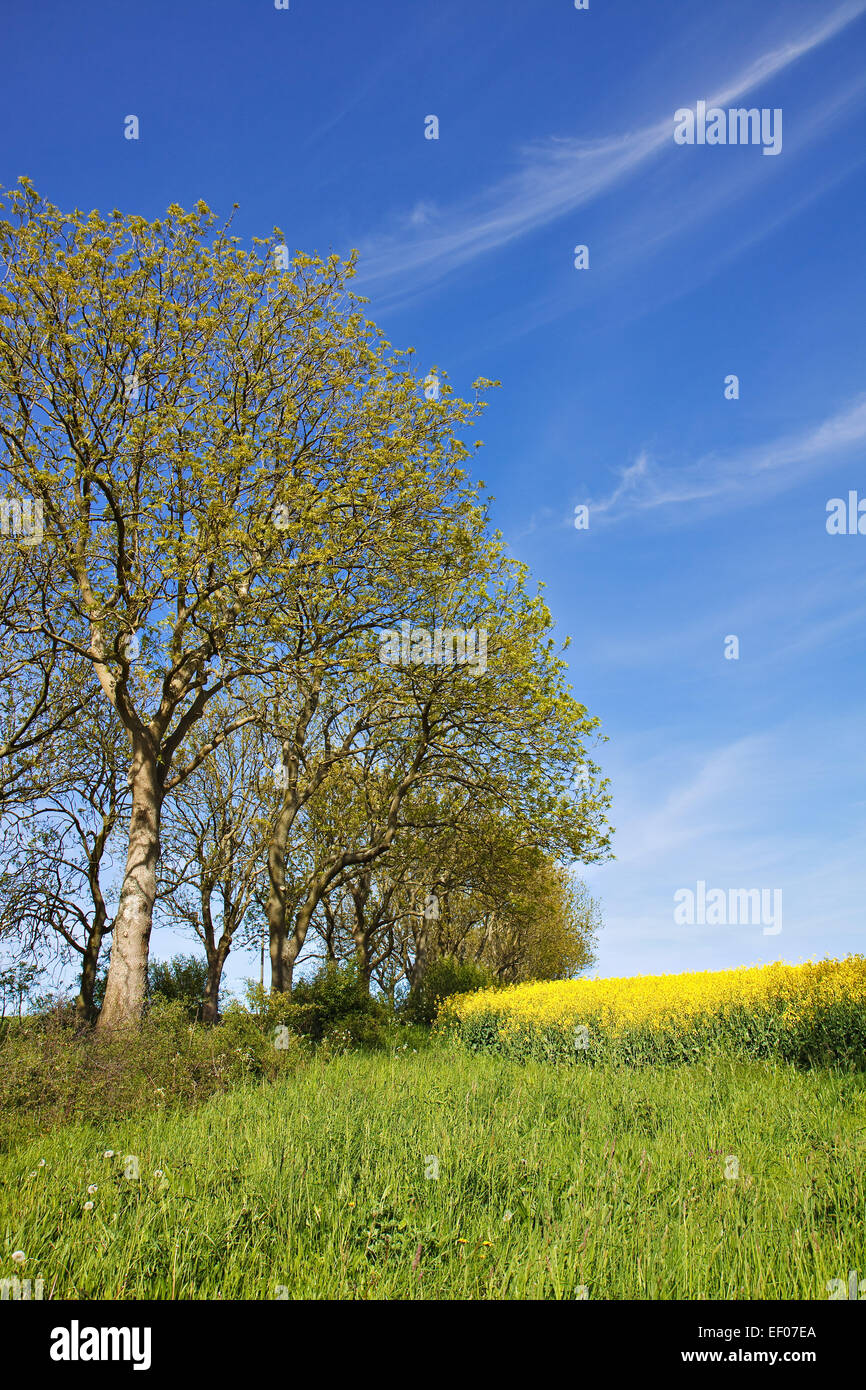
{"points": [[52, 1072], [270, 1011], [330, 1004], [444, 977], [344, 1009], [336, 991], [181, 980]]}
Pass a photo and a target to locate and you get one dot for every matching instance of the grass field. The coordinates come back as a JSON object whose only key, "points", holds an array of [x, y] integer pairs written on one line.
{"points": [[555, 1182]]}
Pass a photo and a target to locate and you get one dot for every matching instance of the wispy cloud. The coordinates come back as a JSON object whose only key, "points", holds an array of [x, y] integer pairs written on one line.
{"points": [[555, 178], [718, 481], [737, 479], [734, 480]]}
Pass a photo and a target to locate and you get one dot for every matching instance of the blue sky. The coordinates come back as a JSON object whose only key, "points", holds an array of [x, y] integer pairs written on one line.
{"points": [[707, 515]]}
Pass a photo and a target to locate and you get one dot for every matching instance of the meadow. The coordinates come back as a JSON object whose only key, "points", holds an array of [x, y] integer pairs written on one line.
{"points": [[440, 1173]]}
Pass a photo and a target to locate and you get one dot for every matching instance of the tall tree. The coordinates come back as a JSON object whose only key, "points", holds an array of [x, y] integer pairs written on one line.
{"points": [[509, 735], [212, 866], [206, 433], [58, 886]]}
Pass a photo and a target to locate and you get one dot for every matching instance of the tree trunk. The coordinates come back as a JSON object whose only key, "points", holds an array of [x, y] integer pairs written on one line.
{"points": [[84, 1001], [215, 962], [289, 945], [362, 956], [126, 989], [422, 941], [284, 950], [276, 906], [284, 953], [361, 934], [281, 953]]}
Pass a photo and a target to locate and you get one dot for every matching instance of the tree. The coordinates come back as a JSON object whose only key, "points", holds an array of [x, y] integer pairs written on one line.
{"points": [[213, 846], [17, 983], [470, 889], [206, 436], [508, 736], [544, 928], [58, 853]]}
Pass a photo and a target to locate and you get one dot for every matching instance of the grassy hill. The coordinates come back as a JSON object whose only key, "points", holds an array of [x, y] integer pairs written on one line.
{"points": [[441, 1174]]}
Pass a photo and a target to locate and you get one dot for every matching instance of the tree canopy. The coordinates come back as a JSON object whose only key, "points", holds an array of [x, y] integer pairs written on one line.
{"points": [[265, 573]]}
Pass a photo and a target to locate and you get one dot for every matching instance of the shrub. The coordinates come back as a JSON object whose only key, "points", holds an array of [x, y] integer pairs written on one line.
{"points": [[443, 977], [270, 1011], [52, 1072], [342, 1006], [331, 1002], [181, 979]]}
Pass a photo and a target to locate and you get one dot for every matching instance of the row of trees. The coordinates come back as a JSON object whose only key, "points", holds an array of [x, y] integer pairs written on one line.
{"points": [[241, 486]]}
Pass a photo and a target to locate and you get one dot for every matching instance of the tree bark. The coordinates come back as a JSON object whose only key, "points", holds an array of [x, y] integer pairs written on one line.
{"points": [[211, 998], [362, 955], [126, 988], [284, 952], [276, 907], [84, 1001], [361, 933]]}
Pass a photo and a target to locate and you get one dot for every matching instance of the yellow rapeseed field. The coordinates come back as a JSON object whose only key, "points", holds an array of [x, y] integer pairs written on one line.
{"points": [[756, 1006]]}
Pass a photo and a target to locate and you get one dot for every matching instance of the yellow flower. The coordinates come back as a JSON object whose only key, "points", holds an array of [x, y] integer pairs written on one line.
{"points": [[582, 1012]]}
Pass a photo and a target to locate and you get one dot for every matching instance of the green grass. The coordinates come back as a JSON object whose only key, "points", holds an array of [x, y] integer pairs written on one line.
{"points": [[550, 1178]]}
